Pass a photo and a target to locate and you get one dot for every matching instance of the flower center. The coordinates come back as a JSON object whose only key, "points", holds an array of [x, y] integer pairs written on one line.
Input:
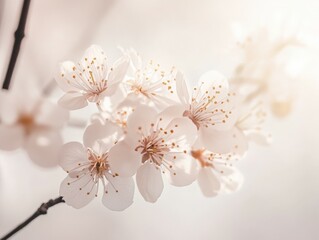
{"points": [[138, 89], [207, 112], [201, 158], [27, 122], [99, 163], [153, 148], [199, 114]]}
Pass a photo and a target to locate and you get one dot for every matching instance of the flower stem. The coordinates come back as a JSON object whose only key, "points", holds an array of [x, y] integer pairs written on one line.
{"points": [[42, 210], [19, 35]]}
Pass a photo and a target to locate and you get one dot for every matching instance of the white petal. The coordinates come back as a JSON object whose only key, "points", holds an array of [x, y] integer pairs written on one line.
{"points": [[50, 114], [43, 147], [72, 155], [64, 76], [182, 130], [260, 137], [119, 70], [124, 160], [116, 76], [149, 182], [109, 133], [208, 182], [11, 137], [135, 58], [78, 192], [118, 195], [175, 111], [73, 101], [222, 141], [232, 181], [181, 88], [240, 143], [140, 121], [184, 170], [131, 100]]}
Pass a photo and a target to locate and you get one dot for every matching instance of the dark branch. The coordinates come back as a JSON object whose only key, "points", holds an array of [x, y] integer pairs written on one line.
{"points": [[42, 210], [19, 35]]}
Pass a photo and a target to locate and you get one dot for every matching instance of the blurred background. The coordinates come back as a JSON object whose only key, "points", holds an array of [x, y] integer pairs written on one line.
{"points": [[280, 196]]}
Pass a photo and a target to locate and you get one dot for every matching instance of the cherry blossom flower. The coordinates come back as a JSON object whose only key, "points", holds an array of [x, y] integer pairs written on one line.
{"points": [[30, 121], [148, 83], [88, 165], [211, 107], [152, 147], [91, 80], [216, 174]]}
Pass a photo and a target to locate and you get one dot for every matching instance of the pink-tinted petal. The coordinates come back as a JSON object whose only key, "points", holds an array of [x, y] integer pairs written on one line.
{"points": [[11, 137], [135, 58], [124, 160], [231, 179], [118, 195], [78, 192], [149, 182], [118, 71], [64, 76], [184, 170], [222, 141], [73, 101], [43, 147], [170, 113], [240, 143], [208, 182], [140, 121], [181, 88], [72, 156], [181, 130], [108, 132]]}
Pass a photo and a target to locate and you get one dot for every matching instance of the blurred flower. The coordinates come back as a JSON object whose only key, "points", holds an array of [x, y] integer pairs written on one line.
{"points": [[148, 83], [216, 173], [154, 146], [269, 67], [88, 165], [30, 121], [91, 80], [250, 121]]}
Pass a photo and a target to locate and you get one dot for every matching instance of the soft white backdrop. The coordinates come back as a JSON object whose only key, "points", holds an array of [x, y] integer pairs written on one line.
{"points": [[280, 196]]}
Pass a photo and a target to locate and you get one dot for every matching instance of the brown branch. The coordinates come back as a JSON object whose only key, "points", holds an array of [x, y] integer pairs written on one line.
{"points": [[19, 35], [42, 210]]}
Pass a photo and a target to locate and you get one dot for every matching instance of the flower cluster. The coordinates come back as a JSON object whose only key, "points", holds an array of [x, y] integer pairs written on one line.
{"points": [[150, 124], [269, 69]]}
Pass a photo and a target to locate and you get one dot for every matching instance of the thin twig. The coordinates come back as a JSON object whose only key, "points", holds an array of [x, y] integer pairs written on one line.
{"points": [[42, 210], [19, 35]]}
